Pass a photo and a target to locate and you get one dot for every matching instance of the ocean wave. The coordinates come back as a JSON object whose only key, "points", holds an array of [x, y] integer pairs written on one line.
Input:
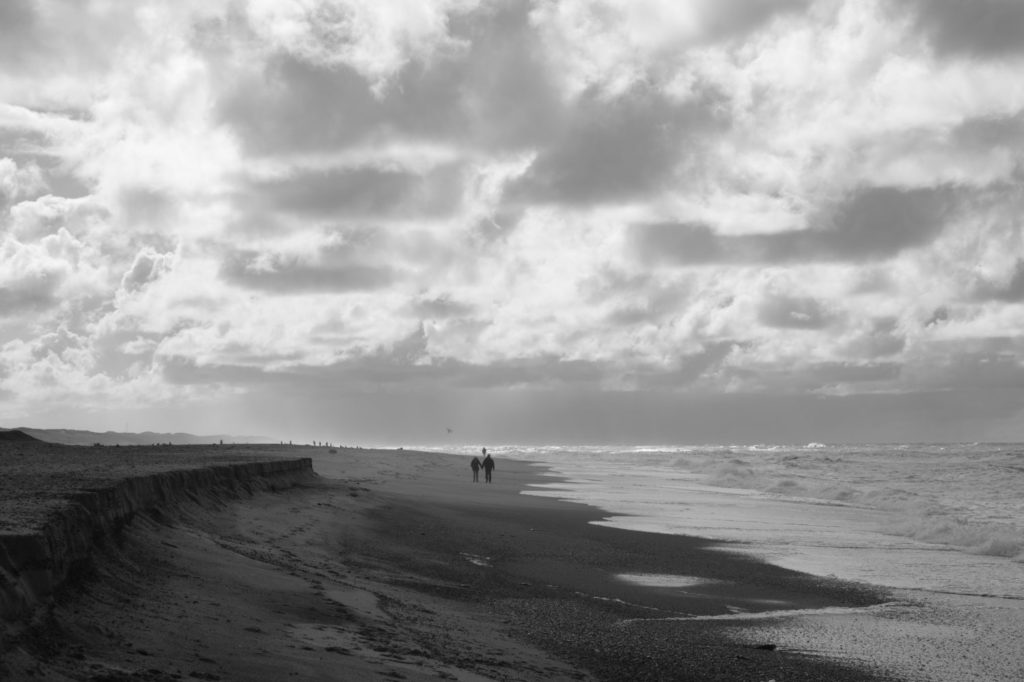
{"points": [[988, 539], [734, 473], [927, 499], [962, 497]]}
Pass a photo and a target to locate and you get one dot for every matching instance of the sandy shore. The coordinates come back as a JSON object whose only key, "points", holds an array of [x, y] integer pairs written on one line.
{"points": [[394, 565]]}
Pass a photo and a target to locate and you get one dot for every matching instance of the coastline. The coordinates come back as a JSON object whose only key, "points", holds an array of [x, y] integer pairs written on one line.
{"points": [[554, 578], [394, 564]]}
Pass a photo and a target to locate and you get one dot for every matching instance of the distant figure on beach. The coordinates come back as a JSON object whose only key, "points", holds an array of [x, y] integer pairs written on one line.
{"points": [[475, 466], [488, 465]]}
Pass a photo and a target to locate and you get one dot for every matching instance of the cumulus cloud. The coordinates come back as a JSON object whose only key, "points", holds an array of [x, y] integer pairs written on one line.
{"points": [[35, 275], [683, 371], [494, 91], [17, 183], [375, 39], [612, 45], [880, 338], [148, 266], [713, 199], [869, 223], [275, 273], [441, 307], [1011, 289], [786, 312]]}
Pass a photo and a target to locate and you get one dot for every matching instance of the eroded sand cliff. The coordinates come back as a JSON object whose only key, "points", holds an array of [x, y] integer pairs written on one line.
{"points": [[57, 501]]}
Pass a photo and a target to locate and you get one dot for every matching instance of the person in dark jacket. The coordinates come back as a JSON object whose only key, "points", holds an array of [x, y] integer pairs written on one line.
{"points": [[488, 465], [475, 466]]}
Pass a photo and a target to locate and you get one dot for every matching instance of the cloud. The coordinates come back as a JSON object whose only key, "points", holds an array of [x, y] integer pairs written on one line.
{"points": [[881, 221], [60, 54], [283, 274], [714, 199], [37, 277], [19, 182], [148, 266], [441, 307], [32, 142], [361, 192], [185, 370], [785, 312], [938, 316], [375, 39], [625, 148], [290, 105], [493, 91], [869, 223], [508, 94], [1011, 290], [684, 371], [882, 338], [980, 28], [34, 292], [612, 45]]}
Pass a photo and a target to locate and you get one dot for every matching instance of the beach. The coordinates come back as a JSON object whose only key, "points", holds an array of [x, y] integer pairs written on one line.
{"points": [[392, 564]]}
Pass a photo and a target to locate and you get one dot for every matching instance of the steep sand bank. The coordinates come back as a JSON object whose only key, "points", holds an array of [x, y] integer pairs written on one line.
{"points": [[393, 565], [57, 502]]}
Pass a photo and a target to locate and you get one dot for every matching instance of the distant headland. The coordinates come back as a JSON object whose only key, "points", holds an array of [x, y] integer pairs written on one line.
{"points": [[80, 437]]}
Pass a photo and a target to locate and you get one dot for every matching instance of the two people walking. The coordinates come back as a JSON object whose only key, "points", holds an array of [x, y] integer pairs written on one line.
{"points": [[487, 465]]}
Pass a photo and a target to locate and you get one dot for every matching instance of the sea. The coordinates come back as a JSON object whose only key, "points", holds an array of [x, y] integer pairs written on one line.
{"points": [[940, 525]]}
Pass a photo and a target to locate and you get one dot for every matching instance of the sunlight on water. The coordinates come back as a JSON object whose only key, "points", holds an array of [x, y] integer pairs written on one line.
{"points": [[936, 517], [662, 580], [944, 518]]}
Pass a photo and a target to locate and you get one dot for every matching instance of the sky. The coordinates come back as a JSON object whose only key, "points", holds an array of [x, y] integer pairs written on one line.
{"points": [[513, 221]]}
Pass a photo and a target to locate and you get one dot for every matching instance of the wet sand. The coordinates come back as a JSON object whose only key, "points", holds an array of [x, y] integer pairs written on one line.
{"points": [[394, 565]]}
